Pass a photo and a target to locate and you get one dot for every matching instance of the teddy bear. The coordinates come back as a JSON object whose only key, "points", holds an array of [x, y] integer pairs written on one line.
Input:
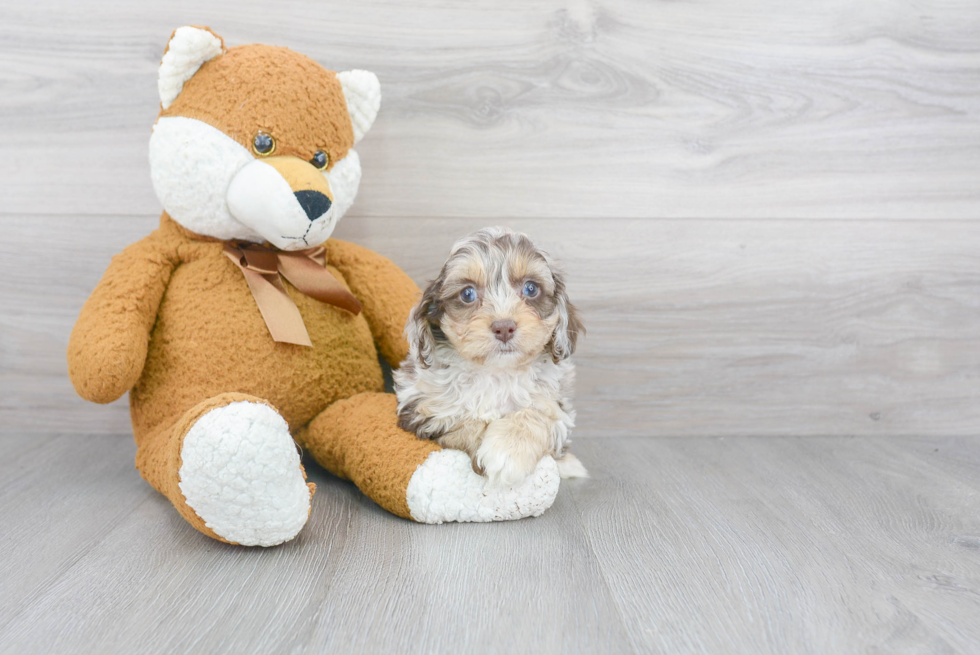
{"points": [[243, 332]]}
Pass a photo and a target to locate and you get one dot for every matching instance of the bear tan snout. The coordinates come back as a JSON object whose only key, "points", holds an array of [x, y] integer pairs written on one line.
{"points": [[300, 175], [308, 184]]}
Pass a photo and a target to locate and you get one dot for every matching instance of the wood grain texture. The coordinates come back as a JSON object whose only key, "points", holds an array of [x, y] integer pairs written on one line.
{"points": [[723, 182], [695, 327], [784, 545], [558, 108], [57, 509], [702, 545]]}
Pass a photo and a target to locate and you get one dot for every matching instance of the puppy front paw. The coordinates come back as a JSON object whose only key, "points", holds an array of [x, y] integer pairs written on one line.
{"points": [[503, 465], [511, 448]]}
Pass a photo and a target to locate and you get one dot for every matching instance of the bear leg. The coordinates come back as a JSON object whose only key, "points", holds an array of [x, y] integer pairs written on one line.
{"points": [[359, 439], [232, 470]]}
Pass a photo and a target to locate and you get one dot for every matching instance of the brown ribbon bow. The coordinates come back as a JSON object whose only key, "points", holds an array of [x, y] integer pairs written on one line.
{"points": [[305, 270]]}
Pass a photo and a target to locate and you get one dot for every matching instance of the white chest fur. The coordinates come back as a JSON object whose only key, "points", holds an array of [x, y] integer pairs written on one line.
{"points": [[464, 391]]}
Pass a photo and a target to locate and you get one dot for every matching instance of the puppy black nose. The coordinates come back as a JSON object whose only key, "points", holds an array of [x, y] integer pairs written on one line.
{"points": [[504, 330], [314, 203]]}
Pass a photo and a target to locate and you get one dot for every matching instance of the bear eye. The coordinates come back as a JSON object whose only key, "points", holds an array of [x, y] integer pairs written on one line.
{"points": [[530, 289], [320, 160], [263, 144], [467, 295]]}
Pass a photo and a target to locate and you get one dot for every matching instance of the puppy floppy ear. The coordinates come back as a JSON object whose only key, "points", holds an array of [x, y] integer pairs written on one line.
{"points": [[569, 326], [188, 48], [419, 330]]}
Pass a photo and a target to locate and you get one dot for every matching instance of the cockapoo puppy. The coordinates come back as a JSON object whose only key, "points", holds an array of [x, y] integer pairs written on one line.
{"points": [[488, 369]]}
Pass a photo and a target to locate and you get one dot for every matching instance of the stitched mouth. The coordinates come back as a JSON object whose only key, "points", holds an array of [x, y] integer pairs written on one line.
{"points": [[302, 238]]}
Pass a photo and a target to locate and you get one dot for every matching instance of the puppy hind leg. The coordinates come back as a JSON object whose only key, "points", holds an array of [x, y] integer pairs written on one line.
{"points": [[569, 466]]}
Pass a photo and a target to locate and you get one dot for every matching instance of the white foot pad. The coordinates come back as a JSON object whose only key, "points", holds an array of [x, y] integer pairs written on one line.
{"points": [[445, 488], [240, 472]]}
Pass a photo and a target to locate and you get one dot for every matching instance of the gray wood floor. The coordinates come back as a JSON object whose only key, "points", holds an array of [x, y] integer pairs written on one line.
{"points": [[688, 545]]}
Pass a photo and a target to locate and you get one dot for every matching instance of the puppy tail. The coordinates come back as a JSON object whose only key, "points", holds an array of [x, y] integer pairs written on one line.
{"points": [[569, 466]]}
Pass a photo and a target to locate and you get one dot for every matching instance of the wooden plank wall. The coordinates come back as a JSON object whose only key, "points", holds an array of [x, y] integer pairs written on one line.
{"points": [[768, 208]]}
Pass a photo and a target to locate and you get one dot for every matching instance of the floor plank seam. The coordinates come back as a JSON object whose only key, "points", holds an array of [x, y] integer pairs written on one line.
{"points": [[602, 574], [349, 506]]}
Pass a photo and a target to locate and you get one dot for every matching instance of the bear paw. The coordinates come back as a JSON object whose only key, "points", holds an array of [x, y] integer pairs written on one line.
{"points": [[445, 488], [240, 472]]}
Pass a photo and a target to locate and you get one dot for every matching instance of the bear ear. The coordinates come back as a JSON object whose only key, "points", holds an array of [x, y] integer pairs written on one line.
{"points": [[188, 48], [363, 94]]}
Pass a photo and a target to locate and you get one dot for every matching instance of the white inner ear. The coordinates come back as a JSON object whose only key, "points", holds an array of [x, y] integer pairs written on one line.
{"points": [[362, 90], [189, 48]]}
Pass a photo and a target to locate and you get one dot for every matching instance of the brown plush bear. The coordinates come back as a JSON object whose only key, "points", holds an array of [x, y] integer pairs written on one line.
{"points": [[237, 326]]}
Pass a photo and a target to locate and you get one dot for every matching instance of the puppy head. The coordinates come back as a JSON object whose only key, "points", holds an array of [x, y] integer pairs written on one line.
{"points": [[498, 301]]}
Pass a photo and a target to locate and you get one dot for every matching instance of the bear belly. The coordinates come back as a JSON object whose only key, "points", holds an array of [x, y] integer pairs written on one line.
{"points": [[209, 338]]}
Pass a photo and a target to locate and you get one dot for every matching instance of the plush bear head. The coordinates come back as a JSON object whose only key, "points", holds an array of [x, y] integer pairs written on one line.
{"points": [[255, 142]]}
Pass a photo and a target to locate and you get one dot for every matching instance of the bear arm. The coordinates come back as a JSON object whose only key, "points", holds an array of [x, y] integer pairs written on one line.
{"points": [[384, 290], [108, 344]]}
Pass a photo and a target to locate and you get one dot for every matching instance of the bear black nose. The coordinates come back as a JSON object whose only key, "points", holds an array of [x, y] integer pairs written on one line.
{"points": [[314, 203]]}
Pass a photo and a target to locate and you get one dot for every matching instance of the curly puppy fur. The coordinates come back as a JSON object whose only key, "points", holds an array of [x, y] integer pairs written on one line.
{"points": [[488, 369]]}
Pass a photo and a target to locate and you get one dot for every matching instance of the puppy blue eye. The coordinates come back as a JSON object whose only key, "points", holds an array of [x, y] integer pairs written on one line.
{"points": [[530, 289], [467, 295]]}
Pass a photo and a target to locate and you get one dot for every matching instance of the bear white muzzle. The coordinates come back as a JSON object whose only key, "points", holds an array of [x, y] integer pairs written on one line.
{"points": [[284, 199]]}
